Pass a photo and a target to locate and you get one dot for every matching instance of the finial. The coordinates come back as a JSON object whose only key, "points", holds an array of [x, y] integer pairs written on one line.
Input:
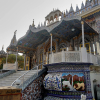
{"points": [[44, 23], [2, 47], [33, 23], [15, 32], [41, 24], [64, 14]]}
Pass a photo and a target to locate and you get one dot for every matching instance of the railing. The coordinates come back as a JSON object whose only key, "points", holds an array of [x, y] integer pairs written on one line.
{"points": [[98, 59], [32, 78], [65, 56], [6, 73], [24, 83], [72, 56], [6, 68], [92, 58]]}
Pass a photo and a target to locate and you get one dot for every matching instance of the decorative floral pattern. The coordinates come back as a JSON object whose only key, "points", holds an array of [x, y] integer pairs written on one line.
{"points": [[34, 90]]}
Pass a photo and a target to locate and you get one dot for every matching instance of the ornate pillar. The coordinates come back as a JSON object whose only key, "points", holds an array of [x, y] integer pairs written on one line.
{"points": [[6, 58], [16, 59], [56, 45], [51, 43], [82, 32], [24, 60], [43, 53]]}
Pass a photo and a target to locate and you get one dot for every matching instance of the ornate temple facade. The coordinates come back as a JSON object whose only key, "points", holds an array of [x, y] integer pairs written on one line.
{"points": [[71, 36], [66, 31]]}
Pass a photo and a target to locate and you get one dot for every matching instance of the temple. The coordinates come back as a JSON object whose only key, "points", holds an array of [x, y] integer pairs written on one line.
{"points": [[67, 44], [2, 55]]}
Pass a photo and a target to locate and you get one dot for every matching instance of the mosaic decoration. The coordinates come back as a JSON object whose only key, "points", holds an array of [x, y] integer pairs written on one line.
{"points": [[34, 91], [65, 82], [98, 25], [75, 80], [56, 98], [53, 82]]}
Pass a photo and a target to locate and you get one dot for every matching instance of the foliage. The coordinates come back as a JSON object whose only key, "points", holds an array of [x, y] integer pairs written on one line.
{"points": [[12, 59], [20, 61], [1, 66]]}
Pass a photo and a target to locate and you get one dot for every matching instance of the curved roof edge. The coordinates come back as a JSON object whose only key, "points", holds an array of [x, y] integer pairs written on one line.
{"points": [[48, 28]]}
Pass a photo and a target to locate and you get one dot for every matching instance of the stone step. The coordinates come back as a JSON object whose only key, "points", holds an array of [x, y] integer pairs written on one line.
{"points": [[7, 81]]}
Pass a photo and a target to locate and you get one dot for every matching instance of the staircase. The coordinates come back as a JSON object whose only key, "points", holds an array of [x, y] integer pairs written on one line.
{"points": [[8, 80]]}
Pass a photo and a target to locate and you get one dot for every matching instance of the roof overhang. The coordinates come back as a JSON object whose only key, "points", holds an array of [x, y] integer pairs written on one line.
{"points": [[65, 29]]}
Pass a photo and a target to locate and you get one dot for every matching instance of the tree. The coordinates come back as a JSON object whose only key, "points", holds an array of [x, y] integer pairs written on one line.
{"points": [[20, 61], [12, 59]]}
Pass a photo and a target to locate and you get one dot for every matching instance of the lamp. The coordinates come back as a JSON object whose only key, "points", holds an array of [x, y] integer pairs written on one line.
{"points": [[18, 82], [73, 29]]}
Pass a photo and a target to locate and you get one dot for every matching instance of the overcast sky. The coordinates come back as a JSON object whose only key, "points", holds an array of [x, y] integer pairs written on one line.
{"points": [[19, 14]]}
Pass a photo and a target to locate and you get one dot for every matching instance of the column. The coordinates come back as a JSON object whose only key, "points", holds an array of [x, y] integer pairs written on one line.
{"points": [[24, 60], [82, 32], [72, 80], [83, 49], [51, 43], [63, 55], [6, 59], [43, 57], [16, 59]]}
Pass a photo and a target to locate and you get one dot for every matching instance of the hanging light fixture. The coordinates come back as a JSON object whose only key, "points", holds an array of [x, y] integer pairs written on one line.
{"points": [[73, 29]]}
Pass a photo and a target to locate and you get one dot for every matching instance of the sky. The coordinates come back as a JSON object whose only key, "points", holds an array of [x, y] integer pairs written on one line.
{"points": [[19, 14]]}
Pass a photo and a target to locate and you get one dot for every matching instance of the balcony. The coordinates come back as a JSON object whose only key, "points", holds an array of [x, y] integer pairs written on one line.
{"points": [[74, 56]]}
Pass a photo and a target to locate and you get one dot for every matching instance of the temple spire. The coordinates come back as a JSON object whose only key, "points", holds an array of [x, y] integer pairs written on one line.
{"points": [[87, 3], [66, 12], [15, 32], [71, 9], [33, 23], [14, 41], [82, 5], [77, 8]]}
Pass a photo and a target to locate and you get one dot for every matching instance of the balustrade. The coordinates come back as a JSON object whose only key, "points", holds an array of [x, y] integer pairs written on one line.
{"points": [[72, 56]]}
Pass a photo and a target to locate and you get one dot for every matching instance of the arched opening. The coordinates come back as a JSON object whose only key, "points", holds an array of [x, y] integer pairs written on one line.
{"points": [[51, 19], [59, 17], [47, 22], [56, 18], [62, 46]]}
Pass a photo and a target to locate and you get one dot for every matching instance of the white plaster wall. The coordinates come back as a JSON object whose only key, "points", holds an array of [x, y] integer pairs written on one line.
{"points": [[94, 75]]}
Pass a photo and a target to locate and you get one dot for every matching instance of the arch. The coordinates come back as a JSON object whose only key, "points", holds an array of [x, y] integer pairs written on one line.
{"points": [[62, 46], [47, 21], [86, 39], [51, 19], [56, 17]]}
